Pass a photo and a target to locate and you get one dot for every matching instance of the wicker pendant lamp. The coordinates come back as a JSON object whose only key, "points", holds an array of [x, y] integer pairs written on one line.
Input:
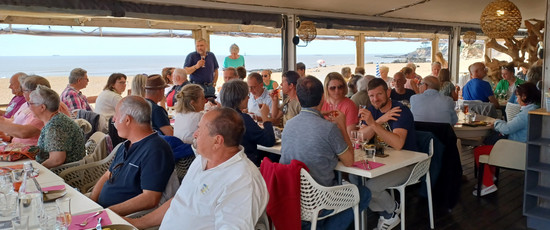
{"points": [[469, 37], [307, 31], [500, 19]]}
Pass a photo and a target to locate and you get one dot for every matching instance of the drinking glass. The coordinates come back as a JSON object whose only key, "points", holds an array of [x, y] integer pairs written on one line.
{"points": [[48, 219], [20, 223], [6, 184], [8, 204], [466, 109], [353, 135], [64, 211], [332, 109], [17, 178]]}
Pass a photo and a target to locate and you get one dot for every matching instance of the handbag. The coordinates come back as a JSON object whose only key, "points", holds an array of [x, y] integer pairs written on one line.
{"points": [[18, 151]]}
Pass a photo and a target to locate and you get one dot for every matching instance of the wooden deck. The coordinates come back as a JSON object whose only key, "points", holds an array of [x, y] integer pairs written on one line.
{"points": [[500, 210]]}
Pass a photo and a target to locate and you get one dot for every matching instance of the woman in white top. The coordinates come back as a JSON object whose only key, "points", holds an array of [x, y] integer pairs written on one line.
{"points": [[189, 110], [111, 95]]}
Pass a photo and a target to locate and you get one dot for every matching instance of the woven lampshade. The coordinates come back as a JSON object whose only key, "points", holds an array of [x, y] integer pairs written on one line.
{"points": [[307, 31], [500, 19], [469, 37]]}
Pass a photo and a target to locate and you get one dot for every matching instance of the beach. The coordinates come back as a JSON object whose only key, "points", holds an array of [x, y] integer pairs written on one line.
{"points": [[96, 84]]}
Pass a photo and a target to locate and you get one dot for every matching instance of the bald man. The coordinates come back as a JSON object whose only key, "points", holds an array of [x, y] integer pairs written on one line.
{"points": [[430, 106], [18, 98]]}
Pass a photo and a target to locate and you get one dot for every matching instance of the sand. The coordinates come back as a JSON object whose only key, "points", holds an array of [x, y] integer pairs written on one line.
{"points": [[96, 84]]}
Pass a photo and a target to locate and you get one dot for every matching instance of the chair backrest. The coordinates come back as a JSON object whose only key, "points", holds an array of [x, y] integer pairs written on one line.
{"points": [[57, 170], [421, 168], [183, 165], [93, 141], [508, 154], [483, 108], [314, 197], [512, 110], [100, 150], [85, 176]]}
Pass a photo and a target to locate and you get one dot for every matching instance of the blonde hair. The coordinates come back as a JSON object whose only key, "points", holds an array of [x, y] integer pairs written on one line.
{"points": [[335, 76], [383, 67], [188, 94], [138, 85]]}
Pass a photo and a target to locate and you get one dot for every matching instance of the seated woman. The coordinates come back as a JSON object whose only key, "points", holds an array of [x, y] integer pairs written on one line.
{"points": [[61, 140], [111, 95], [447, 87], [138, 85], [234, 94], [189, 111], [335, 99], [268, 83], [516, 129]]}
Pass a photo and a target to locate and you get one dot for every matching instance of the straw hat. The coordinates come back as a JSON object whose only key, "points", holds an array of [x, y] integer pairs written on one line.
{"points": [[155, 81]]}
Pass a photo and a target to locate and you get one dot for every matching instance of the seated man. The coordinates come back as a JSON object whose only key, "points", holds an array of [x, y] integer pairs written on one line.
{"points": [[326, 142], [142, 165], [291, 106], [430, 106], [223, 189], [399, 92], [154, 93], [477, 88], [71, 95], [258, 94], [394, 124]]}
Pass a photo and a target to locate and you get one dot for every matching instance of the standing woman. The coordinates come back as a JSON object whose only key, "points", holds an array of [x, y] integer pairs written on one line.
{"points": [[234, 60], [189, 111], [268, 83], [61, 141], [447, 87], [111, 95], [509, 81], [335, 99]]}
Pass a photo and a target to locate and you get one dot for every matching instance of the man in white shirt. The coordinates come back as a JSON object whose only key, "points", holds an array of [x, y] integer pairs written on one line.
{"points": [[258, 94], [222, 189], [430, 106]]}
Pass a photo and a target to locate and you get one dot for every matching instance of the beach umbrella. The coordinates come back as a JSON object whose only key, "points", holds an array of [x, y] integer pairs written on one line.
{"points": [[377, 70]]}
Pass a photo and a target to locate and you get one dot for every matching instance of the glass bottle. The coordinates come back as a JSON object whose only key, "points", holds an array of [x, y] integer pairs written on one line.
{"points": [[30, 200]]}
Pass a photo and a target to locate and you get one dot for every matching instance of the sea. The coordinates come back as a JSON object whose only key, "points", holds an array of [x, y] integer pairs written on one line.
{"points": [[131, 65]]}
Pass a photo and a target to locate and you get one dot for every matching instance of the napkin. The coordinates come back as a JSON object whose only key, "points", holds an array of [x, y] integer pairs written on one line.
{"points": [[53, 188], [363, 165], [92, 222]]}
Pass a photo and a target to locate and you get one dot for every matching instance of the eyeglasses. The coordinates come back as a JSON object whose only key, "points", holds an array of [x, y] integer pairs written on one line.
{"points": [[332, 88], [122, 82], [265, 75], [115, 171]]}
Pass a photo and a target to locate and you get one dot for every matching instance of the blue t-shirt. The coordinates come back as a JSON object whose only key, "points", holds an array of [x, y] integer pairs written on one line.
{"points": [[400, 97], [316, 142], [145, 165], [203, 75], [254, 136], [477, 89], [159, 116], [404, 121]]}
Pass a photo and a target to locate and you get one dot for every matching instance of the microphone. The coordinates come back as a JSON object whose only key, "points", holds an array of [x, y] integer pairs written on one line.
{"points": [[203, 58]]}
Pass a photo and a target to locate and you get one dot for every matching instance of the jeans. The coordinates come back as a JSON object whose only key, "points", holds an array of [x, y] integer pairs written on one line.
{"points": [[345, 218]]}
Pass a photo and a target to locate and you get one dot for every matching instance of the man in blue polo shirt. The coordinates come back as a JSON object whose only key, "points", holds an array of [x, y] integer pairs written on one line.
{"points": [[142, 165], [477, 88], [392, 122], [202, 68]]}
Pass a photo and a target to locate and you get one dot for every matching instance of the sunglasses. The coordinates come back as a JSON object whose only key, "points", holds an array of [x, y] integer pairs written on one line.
{"points": [[265, 75], [332, 88], [115, 171]]}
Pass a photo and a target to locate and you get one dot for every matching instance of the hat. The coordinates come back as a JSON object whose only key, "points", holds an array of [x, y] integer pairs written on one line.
{"points": [[155, 81]]}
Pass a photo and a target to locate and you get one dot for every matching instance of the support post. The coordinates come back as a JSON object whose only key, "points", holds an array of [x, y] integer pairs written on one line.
{"points": [[202, 33], [289, 49], [435, 47], [360, 50], [454, 53]]}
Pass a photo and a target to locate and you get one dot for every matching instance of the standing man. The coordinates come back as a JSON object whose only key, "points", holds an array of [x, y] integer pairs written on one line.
{"points": [[430, 106], [71, 96], [258, 94], [477, 88], [223, 189], [179, 77], [202, 68], [301, 69], [291, 106], [18, 98], [154, 93]]}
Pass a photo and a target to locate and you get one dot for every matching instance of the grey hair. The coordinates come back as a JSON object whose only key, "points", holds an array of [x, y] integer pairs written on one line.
{"points": [[32, 81], [233, 93], [436, 63], [363, 83], [137, 108], [138, 85], [234, 47], [77, 74], [45, 96]]}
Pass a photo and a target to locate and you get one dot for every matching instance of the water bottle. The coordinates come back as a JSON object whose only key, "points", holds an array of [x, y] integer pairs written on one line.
{"points": [[30, 198]]}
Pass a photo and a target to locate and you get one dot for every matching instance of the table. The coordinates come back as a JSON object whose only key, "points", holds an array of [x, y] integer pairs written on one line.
{"points": [[467, 132], [45, 175]]}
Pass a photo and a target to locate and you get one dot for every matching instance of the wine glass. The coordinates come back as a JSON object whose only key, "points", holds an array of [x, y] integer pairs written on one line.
{"points": [[64, 211]]}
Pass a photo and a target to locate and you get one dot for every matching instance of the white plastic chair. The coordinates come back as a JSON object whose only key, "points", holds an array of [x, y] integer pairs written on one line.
{"points": [[505, 154], [315, 197], [420, 169], [512, 110]]}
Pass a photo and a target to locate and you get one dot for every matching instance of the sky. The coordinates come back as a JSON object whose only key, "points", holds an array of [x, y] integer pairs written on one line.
{"points": [[31, 45]]}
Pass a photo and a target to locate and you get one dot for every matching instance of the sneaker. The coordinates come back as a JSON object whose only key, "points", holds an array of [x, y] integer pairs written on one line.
{"points": [[486, 190], [387, 224]]}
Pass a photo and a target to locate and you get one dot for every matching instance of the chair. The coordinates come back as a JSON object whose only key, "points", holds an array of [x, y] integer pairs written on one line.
{"points": [[262, 223], [483, 108], [85, 176], [57, 170], [314, 198], [419, 170], [183, 165], [93, 142], [505, 154], [512, 110]]}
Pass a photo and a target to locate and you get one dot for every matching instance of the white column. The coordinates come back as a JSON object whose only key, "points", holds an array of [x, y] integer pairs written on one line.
{"points": [[454, 53], [289, 49]]}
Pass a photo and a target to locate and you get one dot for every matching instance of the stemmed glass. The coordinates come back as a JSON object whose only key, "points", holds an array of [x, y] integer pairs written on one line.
{"points": [[64, 211], [353, 137]]}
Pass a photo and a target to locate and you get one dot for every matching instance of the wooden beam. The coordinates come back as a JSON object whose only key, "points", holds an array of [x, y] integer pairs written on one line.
{"points": [[435, 47], [360, 50]]}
